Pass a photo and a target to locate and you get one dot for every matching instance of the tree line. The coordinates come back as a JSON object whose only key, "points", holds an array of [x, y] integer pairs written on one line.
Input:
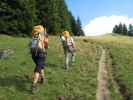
{"points": [[17, 17], [123, 29]]}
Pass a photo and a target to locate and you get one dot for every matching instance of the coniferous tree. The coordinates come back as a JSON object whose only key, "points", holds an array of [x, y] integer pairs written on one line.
{"points": [[130, 30], [115, 29], [79, 31], [55, 15], [73, 23], [19, 16], [124, 30], [120, 29], [120, 26], [43, 12], [64, 16], [130, 27]]}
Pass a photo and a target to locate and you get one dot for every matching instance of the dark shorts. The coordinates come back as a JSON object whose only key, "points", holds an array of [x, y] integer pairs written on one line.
{"points": [[39, 59]]}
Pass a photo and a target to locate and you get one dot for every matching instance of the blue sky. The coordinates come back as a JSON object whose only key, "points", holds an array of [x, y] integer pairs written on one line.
{"points": [[87, 10]]}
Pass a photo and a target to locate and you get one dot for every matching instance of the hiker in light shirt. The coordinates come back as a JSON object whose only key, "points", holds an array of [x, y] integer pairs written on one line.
{"points": [[69, 48]]}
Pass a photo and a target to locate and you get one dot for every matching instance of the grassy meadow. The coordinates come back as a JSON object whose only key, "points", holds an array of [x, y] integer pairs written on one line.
{"points": [[78, 83], [120, 50]]}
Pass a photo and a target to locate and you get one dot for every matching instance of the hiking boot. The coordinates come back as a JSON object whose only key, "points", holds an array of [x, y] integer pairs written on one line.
{"points": [[66, 67], [34, 88]]}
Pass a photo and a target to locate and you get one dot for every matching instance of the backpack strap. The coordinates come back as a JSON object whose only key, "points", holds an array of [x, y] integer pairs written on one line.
{"points": [[69, 40]]}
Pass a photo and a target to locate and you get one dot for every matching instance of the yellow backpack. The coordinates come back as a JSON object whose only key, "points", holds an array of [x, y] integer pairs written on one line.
{"points": [[37, 32]]}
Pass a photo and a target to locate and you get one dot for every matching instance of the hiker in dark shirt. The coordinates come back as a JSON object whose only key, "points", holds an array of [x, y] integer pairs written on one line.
{"points": [[39, 45]]}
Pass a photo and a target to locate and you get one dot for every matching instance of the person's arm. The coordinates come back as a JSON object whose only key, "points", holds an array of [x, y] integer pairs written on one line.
{"points": [[46, 41]]}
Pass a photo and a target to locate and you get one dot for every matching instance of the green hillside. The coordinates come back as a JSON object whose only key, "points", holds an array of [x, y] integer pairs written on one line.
{"points": [[120, 53], [78, 83]]}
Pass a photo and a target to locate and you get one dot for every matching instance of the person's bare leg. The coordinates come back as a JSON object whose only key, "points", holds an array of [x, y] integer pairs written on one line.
{"points": [[36, 77]]}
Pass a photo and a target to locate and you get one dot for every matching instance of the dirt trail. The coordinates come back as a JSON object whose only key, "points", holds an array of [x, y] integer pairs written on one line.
{"points": [[102, 88]]}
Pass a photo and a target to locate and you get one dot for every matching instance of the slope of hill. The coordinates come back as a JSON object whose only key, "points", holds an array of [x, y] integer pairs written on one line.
{"points": [[78, 83]]}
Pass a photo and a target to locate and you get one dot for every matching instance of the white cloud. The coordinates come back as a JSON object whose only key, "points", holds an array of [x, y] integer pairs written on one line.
{"points": [[104, 24]]}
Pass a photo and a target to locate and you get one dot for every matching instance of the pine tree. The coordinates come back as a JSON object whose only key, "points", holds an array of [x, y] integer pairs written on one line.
{"points": [[73, 23], [64, 16], [115, 29], [130, 27], [44, 10], [18, 16], [124, 30], [120, 26], [55, 15], [120, 29], [79, 31], [130, 32]]}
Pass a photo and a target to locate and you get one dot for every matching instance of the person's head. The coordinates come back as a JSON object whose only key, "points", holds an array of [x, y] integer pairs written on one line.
{"points": [[37, 29], [66, 34]]}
